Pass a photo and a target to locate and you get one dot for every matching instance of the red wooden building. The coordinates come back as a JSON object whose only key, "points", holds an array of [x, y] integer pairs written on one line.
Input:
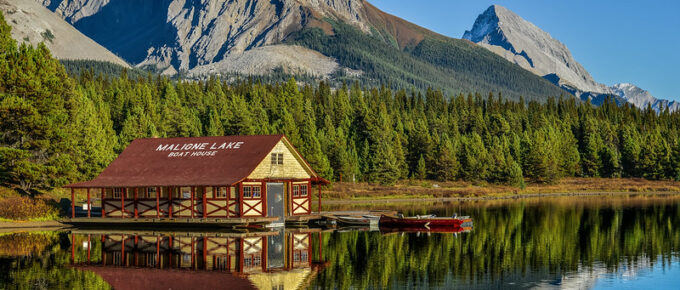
{"points": [[205, 177]]}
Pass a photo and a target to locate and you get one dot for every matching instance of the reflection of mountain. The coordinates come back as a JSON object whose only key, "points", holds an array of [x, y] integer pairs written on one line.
{"points": [[262, 260]]}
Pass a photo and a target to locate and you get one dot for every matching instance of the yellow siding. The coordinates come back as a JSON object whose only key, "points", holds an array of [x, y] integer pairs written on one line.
{"points": [[291, 168]]}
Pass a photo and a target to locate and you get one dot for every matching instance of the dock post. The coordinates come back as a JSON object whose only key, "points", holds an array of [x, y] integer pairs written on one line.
{"points": [[103, 204], [73, 203], [170, 201], [135, 204], [158, 202], [89, 247], [122, 202], [319, 186], [89, 204], [158, 251]]}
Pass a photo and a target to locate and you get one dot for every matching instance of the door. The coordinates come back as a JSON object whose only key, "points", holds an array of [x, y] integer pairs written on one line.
{"points": [[275, 204], [276, 250]]}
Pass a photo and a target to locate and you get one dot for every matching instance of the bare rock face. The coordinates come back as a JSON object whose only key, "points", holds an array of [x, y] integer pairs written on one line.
{"points": [[642, 98], [519, 41], [32, 23], [180, 35]]}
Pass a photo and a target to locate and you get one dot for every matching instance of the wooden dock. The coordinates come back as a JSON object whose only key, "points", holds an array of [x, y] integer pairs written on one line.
{"points": [[161, 222], [185, 222]]}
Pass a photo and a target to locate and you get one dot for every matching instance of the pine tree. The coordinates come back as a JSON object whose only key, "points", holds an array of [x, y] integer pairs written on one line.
{"points": [[421, 169]]}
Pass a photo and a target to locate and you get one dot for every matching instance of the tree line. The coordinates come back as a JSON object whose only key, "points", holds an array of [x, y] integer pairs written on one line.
{"points": [[56, 129]]}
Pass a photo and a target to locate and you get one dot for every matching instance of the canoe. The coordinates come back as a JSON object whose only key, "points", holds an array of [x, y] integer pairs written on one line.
{"points": [[422, 222], [358, 221]]}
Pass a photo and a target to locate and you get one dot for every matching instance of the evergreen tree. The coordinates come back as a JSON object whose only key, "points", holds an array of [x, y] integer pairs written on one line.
{"points": [[421, 169]]}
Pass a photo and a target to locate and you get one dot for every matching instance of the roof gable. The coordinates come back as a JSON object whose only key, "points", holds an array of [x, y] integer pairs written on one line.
{"points": [[194, 161]]}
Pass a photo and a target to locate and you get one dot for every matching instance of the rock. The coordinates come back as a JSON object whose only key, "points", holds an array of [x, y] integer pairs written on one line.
{"points": [[33, 23]]}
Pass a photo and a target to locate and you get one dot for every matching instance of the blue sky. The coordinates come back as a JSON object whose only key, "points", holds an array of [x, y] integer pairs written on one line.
{"points": [[616, 41]]}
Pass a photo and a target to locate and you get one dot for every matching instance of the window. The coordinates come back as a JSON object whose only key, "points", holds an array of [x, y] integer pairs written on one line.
{"points": [[252, 191], [117, 192], [303, 190], [277, 158], [221, 192], [151, 192], [186, 192], [299, 190]]}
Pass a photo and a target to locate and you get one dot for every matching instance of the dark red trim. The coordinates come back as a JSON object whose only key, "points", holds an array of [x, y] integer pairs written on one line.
{"points": [[89, 205], [158, 202], [103, 203], [73, 203], [135, 203]]}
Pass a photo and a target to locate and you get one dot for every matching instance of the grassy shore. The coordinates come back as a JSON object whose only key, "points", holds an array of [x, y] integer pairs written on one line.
{"points": [[425, 189]]}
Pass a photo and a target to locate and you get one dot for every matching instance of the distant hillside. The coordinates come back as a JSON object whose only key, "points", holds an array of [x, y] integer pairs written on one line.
{"points": [[337, 40], [101, 68], [33, 23]]}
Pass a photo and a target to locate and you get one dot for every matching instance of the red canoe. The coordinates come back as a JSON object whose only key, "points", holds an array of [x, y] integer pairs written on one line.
{"points": [[422, 222]]}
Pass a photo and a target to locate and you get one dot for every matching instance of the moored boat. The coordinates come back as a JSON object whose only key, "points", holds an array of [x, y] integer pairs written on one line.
{"points": [[423, 221], [358, 220]]}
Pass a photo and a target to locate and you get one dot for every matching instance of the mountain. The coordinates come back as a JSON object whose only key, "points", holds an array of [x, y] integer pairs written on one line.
{"points": [[520, 41], [642, 99], [344, 40], [33, 23], [510, 36]]}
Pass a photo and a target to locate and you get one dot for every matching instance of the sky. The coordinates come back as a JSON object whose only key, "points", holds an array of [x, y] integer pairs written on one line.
{"points": [[620, 41]]}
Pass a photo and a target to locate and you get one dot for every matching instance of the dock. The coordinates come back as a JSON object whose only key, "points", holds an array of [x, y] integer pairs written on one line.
{"points": [[296, 220]]}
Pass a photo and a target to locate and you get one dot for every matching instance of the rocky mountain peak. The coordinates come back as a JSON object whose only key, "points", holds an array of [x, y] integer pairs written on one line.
{"points": [[174, 35], [520, 41]]}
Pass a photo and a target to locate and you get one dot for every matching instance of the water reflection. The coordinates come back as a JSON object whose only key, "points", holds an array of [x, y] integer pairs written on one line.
{"points": [[603, 243], [134, 260]]}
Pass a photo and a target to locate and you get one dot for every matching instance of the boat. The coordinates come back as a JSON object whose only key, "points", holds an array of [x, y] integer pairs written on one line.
{"points": [[433, 230], [427, 222], [365, 220]]}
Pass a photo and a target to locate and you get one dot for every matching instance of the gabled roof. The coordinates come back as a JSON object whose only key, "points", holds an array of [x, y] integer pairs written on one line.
{"points": [[192, 161]]}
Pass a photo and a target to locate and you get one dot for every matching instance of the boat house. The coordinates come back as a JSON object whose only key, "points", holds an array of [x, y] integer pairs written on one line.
{"points": [[230, 178]]}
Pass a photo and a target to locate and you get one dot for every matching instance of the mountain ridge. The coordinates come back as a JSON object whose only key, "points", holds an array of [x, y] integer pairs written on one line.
{"points": [[254, 37], [520, 41], [32, 23]]}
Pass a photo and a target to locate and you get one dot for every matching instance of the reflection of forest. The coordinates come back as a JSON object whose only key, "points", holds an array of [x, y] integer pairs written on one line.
{"points": [[514, 244], [525, 242]]}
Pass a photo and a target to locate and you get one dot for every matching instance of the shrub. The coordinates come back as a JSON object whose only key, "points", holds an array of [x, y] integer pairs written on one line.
{"points": [[26, 208]]}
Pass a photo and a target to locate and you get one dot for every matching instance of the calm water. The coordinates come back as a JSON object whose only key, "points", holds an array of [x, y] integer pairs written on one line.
{"points": [[575, 243]]}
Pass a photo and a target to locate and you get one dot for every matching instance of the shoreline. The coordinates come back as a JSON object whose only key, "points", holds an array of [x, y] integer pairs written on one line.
{"points": [[501, 197], [13, 226]]}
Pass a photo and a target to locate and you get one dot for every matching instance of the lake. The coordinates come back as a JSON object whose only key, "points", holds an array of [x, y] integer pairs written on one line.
{"points": [[613, 242]]}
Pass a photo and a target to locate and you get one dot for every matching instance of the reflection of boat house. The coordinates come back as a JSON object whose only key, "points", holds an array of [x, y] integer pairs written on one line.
{"points": [[266, 259], [233, 177]]}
